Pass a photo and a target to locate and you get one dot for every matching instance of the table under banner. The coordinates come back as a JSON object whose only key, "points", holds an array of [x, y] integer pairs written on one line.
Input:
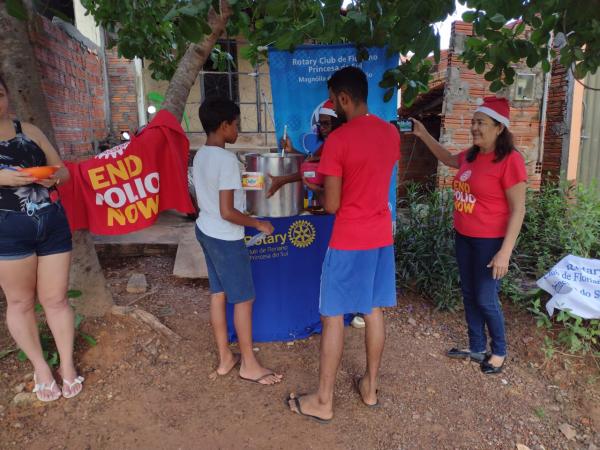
{"points": [[286, 268]]}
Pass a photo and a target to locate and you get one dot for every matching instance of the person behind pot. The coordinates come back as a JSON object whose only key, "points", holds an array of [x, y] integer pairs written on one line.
{"points": [[35, 252], [328, 121], [489, 207], [220, 231]]}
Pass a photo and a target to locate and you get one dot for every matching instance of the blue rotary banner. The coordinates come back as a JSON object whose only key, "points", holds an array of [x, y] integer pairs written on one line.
{"points": [[299, 88], [286, 268]]}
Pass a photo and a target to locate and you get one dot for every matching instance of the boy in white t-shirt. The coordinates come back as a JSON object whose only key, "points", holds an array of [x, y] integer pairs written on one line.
{"points": [[220, 231]]}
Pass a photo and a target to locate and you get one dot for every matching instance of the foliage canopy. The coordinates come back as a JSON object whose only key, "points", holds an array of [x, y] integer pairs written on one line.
{"points": [[161, 30]]}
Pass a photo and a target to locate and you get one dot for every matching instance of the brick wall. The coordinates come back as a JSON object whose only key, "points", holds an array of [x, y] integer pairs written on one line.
{"points": [[556, 125], [464, 87], [122, 93], [73, 85]]}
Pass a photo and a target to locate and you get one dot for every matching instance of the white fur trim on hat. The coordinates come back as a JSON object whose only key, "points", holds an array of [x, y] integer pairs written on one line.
{"points": [[494, 115], [327, 112]]}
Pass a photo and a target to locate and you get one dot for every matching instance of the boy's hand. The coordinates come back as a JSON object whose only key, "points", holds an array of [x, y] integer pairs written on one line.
{"points": [[264, 226]]}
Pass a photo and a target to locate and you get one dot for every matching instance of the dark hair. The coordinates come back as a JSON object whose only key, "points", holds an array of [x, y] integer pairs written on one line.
{"points": [[352, 81], [504, 145], [214, 111], [3, 83]]}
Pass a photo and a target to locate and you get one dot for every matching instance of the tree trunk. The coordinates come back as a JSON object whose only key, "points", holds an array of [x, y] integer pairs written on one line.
{"points": [[19, 68], [194, 58]]}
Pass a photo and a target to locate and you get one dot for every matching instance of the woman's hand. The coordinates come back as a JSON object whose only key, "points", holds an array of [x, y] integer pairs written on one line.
{"points": [[313, 187], [14, 178], [286, 144], [499, 265], [49, 182], [264, 226], [419, 129]]}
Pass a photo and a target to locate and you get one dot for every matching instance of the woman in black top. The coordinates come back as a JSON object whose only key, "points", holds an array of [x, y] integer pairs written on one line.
{"points": [[35, 251]]}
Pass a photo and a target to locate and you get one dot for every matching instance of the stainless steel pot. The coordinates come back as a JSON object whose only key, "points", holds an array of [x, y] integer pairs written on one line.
{"points": [[287, 201]]}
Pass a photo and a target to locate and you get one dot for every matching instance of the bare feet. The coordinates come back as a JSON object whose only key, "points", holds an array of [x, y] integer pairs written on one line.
{"points": [[310, 406], [368, 393], [225, 366], [259, 374]]}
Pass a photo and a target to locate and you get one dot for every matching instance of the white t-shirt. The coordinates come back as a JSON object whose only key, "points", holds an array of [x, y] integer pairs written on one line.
{"points": [[216, 169]]}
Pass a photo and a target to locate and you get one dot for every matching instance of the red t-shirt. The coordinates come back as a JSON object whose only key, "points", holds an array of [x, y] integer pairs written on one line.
{"points": [[480, 205], [363, 152]]}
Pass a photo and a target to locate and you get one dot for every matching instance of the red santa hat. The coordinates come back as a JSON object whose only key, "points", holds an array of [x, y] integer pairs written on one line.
{"points": [[327, 108], [497, 108]]}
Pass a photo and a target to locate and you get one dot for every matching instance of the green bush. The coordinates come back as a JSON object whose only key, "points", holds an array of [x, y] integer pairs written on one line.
{"points": [[425, 259], [560, 220]]}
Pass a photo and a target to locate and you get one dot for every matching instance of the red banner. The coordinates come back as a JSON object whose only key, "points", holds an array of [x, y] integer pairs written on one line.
{"points": [[125, 188]]}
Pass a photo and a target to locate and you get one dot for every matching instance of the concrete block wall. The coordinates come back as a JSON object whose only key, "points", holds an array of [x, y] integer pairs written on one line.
{"points": [[73, 84]]}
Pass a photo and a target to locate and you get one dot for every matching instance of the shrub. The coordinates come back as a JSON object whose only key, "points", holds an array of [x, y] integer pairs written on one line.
{"points": [[425, 247]]}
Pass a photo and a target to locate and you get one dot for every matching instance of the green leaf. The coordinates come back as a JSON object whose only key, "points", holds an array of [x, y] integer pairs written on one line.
{"points": [[74, 293], [17, 9], [479, 66], [21, 356], [192, 28], [470, 16], [519, 29], [546, 66], [498, 18], [78, 319], [89, 339], [38, 308], [53, 360], [496, 85]]}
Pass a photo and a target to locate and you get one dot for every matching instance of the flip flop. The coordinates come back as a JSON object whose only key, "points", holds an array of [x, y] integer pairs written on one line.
{"points": [[214, 375], [259, 379], [78, 380], [40, 387], [356, 384], [296, 400]]}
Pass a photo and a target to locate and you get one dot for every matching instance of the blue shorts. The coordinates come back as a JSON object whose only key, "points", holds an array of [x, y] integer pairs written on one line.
{"points": [[228, 265], [356, 281], [44, 233]]}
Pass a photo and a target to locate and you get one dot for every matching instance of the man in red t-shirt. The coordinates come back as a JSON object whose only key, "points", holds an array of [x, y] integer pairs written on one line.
{"points": [[358, 271]]}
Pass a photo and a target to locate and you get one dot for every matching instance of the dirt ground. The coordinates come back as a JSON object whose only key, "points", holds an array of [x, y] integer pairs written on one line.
{"points": [[144, 392]]}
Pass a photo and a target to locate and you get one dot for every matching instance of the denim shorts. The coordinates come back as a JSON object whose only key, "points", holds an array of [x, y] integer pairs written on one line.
{"points": [[229, 269], [44, 233], [356, 281]]}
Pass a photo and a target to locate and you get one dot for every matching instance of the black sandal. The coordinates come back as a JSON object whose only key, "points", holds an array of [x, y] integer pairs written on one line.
{"points": [[490, 369]]}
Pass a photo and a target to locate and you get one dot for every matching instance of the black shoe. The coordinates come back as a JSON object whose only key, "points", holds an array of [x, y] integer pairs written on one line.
{"points": [[489, 369], [463, 354]]}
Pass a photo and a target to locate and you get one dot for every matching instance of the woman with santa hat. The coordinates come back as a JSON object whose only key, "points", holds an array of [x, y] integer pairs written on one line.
{"points": [[489, 207], [327, 122]]}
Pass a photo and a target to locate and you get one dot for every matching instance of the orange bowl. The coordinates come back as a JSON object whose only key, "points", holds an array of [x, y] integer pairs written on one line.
{"points": [[40, 172]]}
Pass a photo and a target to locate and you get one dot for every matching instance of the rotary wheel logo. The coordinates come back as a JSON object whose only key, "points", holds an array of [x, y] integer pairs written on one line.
{"points": [[302, 233]]}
